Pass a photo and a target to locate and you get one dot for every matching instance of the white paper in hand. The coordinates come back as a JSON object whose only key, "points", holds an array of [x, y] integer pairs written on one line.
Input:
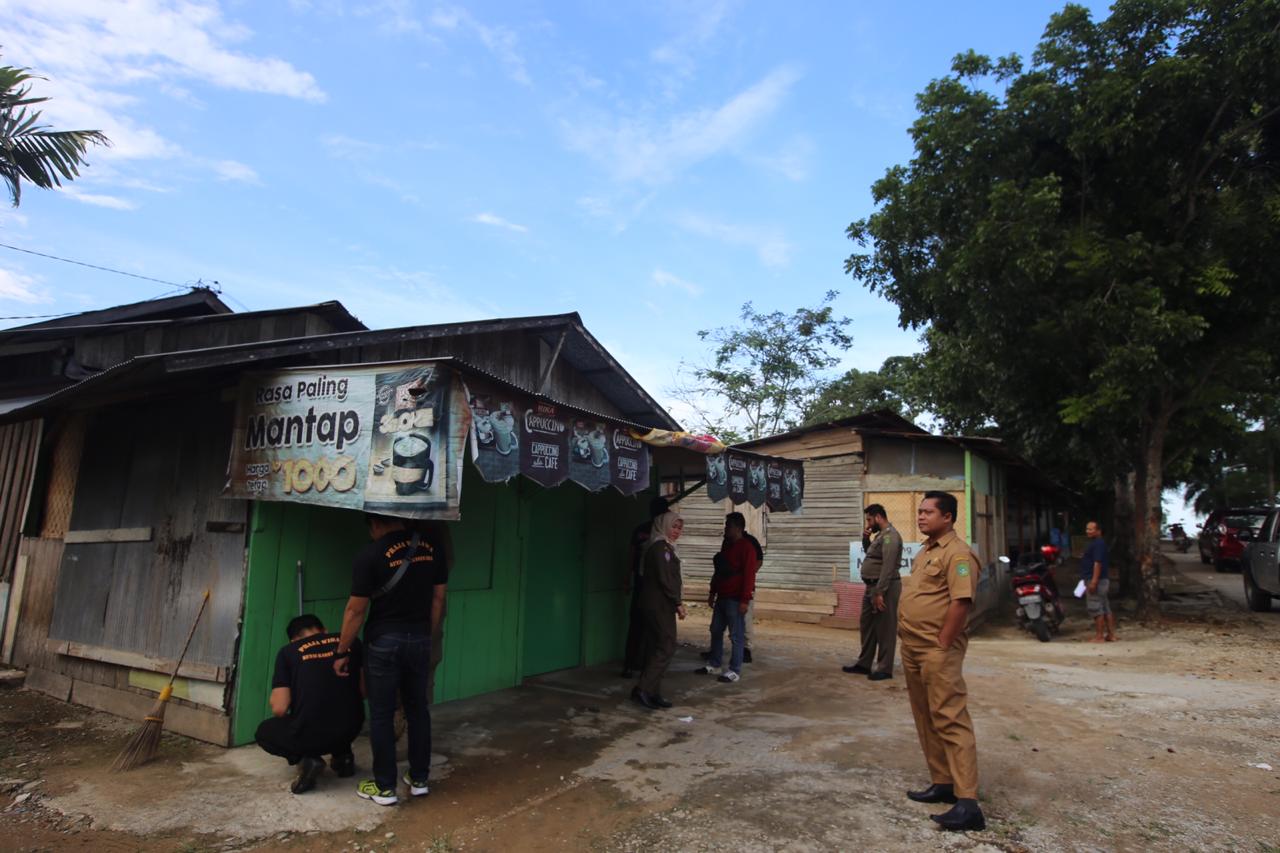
{"points": [[1080, 590]]}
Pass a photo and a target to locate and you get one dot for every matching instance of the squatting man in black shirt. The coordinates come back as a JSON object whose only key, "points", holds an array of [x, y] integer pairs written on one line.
{"points": [[316, 712]]}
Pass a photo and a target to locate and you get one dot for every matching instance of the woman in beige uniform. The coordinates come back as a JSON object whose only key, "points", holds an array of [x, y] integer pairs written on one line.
{"points": [[660, 604]]}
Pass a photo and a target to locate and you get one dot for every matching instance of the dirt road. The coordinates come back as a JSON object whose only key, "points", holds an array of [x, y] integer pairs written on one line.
{"points": [[1147, 744]]}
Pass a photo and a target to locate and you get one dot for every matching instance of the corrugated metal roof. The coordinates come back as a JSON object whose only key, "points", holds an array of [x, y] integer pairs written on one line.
{"points": [[586, 355], [80, 324]]}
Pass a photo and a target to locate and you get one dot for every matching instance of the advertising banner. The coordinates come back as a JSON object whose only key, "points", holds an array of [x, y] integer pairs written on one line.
{"points": [[515, 433], [378, 438], [756, 480]]}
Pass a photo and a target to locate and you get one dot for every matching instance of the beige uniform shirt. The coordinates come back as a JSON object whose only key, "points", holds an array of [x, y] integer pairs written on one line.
{"points": [[943, 571]]}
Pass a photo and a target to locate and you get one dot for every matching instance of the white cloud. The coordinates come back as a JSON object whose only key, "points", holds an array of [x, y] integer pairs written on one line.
{"points": [[231, 170], [793, 161], [395, 186], [99, 200], [18, 287], [501, 42], [693, 31], [102, 58], [344, 147], [639, 149], [498, 222], [663, 279], [769, 243]]}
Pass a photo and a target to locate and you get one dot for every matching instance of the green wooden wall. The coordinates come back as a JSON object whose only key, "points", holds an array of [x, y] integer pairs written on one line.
{"points": [[536, 586]]}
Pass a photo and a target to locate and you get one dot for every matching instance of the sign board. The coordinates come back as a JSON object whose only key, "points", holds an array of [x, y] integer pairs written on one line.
{"points": [[909, 551], [379, 438]]}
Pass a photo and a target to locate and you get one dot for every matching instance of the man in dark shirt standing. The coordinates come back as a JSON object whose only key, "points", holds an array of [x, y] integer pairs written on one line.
{"points": [[399, 581], [316, 712], [1095, 570]]}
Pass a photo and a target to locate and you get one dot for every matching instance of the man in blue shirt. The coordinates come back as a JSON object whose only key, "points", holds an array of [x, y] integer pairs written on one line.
{"points": [[1095, 568]]}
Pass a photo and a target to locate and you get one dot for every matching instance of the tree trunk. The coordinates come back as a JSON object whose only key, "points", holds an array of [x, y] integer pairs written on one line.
{"points": [[1122, 531], [1148, 543]]}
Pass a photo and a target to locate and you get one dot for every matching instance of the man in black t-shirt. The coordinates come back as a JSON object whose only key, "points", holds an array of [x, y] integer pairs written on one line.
{"points": [[316, 711], [398, 580]]}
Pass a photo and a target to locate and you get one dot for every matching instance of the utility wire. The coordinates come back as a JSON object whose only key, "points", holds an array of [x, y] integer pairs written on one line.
{"points": [[96, 267], [176, 288]]}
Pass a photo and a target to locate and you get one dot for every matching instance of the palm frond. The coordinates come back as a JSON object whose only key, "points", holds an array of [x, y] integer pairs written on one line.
{"points": [[31, 151]]}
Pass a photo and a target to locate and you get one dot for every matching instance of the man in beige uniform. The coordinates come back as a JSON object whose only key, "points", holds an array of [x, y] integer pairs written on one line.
{"points": [[878, 622], [932, 625]]}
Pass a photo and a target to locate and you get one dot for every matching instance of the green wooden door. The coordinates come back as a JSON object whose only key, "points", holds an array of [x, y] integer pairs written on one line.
{"points": [[325, 541], [553, 581], [482, 622]]}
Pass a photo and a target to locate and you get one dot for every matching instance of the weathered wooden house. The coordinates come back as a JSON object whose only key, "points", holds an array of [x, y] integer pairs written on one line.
{"points": [[129, 524], [45, 358], [809, 572]]}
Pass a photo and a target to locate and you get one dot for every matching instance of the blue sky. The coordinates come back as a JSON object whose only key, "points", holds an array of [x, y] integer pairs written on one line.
{"points": [[650, 165]]}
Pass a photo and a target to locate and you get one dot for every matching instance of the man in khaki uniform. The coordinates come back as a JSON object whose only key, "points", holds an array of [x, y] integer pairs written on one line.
{"points": [[878, 622], [933, 616]]}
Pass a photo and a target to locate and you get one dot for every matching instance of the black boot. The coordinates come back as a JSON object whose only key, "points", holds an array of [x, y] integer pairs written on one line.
{"points": [[964, 816], [644, 699], [660, 702], [933, 794], [308, 772], [344, 764]]}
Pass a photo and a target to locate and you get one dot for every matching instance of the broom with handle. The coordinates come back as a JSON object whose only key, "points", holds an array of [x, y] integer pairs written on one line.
{"points": [[142, 747]]}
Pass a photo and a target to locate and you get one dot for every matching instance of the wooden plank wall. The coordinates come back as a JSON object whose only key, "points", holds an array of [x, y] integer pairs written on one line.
{"points": [[42, 558], [811, 549], [836, 441], [19, 447], [158, 465]]}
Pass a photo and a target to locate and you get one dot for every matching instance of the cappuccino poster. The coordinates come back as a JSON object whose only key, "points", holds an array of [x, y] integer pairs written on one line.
{"points": [[756, 480], [590, 453], [515, 433], [377, 438], [545, 433], [773, 486], [629, 467], [717, 477]]}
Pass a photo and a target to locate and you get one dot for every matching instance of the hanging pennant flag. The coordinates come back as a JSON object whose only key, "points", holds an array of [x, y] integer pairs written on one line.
{"points": [[545, 455], [717, 477], [590, 455], [629, 468], [773, 486], [737, 477]]}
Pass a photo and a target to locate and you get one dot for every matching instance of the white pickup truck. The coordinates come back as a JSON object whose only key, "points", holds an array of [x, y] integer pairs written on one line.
{"points": [[1260, 565]]}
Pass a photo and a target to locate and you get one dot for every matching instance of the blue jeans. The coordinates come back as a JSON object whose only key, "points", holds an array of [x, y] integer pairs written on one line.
{"points": [[399, 663], [727, 615]]}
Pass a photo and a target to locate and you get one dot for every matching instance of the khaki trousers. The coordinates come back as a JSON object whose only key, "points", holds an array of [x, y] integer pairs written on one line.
{"points": [[939, 703], [879, 630]]}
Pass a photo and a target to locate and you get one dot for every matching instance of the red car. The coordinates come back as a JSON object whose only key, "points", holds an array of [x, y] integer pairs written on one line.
{"points": [[1218, 541]]}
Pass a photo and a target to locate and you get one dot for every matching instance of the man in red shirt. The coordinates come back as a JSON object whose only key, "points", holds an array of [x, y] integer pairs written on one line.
{"points": [[732, 587]]}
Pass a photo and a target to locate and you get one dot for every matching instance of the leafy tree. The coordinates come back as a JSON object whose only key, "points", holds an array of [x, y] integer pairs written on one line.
{"points": [[859, 391], [1089, 242], [765, 371], [31, 151]]}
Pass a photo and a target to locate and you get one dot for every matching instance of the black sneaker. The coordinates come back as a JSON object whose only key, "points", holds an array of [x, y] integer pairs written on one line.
{"points": [[343, 765], [309, 770], [879, 676]]}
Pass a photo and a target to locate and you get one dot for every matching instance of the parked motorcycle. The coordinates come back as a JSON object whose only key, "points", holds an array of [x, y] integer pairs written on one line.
{"points": [[1180, 539], [1034, 588]]}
